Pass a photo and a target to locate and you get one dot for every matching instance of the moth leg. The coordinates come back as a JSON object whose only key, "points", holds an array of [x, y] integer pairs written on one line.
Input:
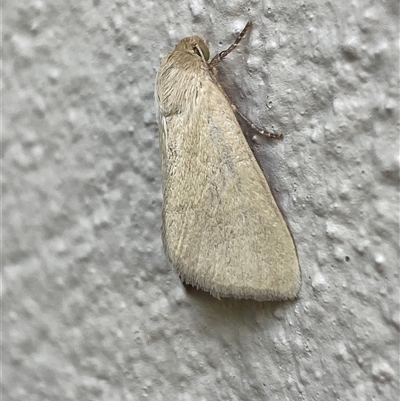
{"points": [[259, 130], [220, 56]]}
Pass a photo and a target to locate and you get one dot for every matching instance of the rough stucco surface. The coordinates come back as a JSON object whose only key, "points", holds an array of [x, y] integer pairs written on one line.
{"points": [[91, 310]]}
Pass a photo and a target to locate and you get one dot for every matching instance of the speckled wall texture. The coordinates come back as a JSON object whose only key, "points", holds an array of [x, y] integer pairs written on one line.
{"points": [[91, 310]]}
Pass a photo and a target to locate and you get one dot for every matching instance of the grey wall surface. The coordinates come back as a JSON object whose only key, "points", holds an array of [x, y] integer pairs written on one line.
{"points": [[91, 310]]}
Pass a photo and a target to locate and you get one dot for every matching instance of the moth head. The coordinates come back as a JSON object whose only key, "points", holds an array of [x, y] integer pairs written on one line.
{"points": [[194, 45]]}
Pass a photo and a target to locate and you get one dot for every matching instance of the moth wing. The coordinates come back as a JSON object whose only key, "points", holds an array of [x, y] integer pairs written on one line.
{"points": [[222, 230]]}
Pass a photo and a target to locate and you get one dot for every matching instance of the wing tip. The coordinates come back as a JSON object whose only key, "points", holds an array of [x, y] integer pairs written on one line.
{"points": [[240, 290]]}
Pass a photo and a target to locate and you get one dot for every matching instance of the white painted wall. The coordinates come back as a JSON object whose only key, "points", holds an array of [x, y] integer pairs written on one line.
{"points": [[90, 309]]}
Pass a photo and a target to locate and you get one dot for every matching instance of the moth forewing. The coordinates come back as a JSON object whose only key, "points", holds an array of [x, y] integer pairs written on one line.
{"points": [[222, 230]]}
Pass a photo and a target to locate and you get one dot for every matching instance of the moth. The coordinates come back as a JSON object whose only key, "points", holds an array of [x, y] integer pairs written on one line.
{"points": [[222, 229]]}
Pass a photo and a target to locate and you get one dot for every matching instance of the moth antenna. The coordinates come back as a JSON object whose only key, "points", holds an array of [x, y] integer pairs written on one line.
{"points": [[261, 131], [220, 56]]}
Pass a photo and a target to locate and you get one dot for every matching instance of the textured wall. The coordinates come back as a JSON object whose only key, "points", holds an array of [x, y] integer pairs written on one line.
{"points": [[91, 310]]}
